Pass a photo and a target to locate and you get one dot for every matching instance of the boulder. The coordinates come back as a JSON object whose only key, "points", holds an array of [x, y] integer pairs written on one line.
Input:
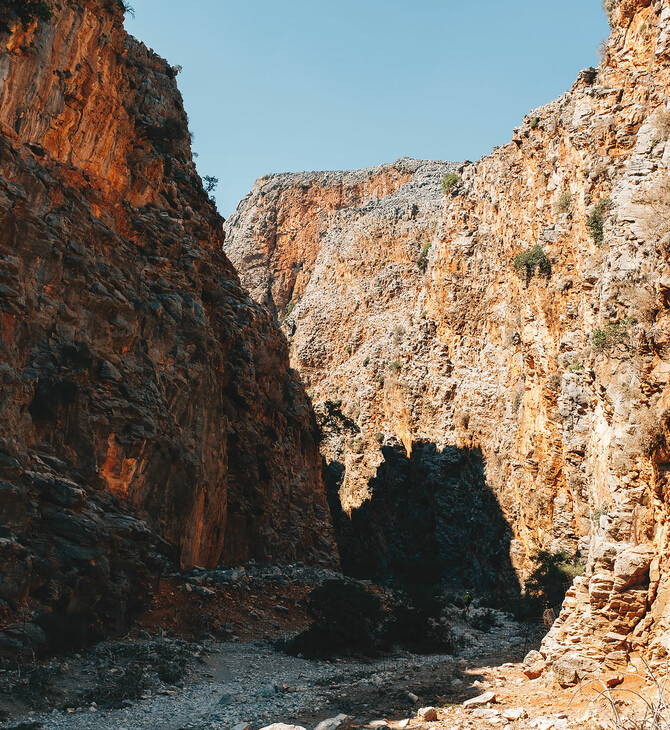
{"points": [[534, 664], [631, 568], [572, 668], [480, 700], [340, 722], [429, 714]]}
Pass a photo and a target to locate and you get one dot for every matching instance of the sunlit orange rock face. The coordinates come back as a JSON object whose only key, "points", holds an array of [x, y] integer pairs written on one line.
{"points": [[147, 405], [559, 380]]}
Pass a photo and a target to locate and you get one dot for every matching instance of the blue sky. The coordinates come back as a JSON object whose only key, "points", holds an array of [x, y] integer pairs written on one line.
{"points": [[292, 85]]}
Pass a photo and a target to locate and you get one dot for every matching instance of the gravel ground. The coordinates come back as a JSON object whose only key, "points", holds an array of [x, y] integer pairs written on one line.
{"points": [[253, 683]]}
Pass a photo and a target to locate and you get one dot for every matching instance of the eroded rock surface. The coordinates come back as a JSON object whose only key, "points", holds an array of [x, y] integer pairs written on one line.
{"points": [[557, 373], [147, 407]]}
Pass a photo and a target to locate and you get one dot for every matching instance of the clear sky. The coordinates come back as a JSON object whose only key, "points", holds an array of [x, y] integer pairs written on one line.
{"points": [[293, 85]]}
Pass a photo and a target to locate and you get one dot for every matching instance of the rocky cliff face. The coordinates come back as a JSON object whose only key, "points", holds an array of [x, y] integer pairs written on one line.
{"points": [[147, 404], [523, 315]]}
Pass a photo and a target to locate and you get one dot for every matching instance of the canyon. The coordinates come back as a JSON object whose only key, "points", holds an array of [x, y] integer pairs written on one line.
{"points": [[424, 371]]}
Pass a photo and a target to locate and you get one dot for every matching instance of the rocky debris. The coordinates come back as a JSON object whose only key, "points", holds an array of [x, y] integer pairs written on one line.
{"points": [[571, 668], [549, 723], [149, 411], [484, 699], [534, 664], [429, 714], [260, 687], [340, 722]]}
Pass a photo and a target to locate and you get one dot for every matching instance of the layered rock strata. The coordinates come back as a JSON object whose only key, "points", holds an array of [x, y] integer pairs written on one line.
{"points": [[147, 405], [537, 333]]}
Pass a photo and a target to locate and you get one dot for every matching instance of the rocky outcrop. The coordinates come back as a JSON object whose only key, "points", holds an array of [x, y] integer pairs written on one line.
{"points": [[536, 334], [147, 406]]}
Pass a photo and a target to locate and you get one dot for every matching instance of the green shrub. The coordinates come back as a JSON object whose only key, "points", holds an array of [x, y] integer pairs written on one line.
{"points": [[595, 223], [168, 133], [395, 366], [598, 513], [533, 260], [612, 334], [552, 576], [346, 617], [534, 122], [210, 183], [449, 182], [24, 10], [379, 438], [422, 261], [366, 362], [416, 622], [564, 202], [334, 420]]}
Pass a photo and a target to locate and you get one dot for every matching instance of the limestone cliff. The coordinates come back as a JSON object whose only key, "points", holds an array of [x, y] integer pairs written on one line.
{"points": [[147, 405], [537, 335]]}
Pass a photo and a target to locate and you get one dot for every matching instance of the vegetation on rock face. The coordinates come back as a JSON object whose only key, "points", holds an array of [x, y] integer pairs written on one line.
{"points": [[210, 183], [552, 576], [595, 223], [534, 122], [422, 261], [612, 334], [564, 202], [449, 182], [533, 261], [169, 132], [24, 10], [608, 7]]}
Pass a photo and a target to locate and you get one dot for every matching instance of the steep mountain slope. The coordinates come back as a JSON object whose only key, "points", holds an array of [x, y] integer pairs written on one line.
{"points": [[147, 404], [552, 362]]}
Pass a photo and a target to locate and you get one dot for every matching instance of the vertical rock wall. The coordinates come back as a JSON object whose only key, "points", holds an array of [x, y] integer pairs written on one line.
{"points": [[558, 372], [147, 405]]}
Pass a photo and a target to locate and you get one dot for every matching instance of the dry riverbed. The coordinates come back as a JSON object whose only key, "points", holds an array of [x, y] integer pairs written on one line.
{"points": [[172, 684]]}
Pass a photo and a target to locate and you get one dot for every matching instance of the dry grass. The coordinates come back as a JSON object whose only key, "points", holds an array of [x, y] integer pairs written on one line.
{"points": [[631, 709]]}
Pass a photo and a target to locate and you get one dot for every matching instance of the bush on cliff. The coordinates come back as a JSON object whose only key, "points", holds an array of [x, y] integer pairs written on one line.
{"points": [[595, 223], [24, 10], [422, 261], [612, 334], [449, 182], [170, 131], [533, 261]]}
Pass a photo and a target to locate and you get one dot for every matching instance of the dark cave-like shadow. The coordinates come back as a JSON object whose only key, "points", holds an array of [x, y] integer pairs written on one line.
{"points": [[431, 519]]}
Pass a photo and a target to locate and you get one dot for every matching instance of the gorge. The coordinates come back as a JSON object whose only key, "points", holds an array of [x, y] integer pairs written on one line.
{"points": [[426, 370]]}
